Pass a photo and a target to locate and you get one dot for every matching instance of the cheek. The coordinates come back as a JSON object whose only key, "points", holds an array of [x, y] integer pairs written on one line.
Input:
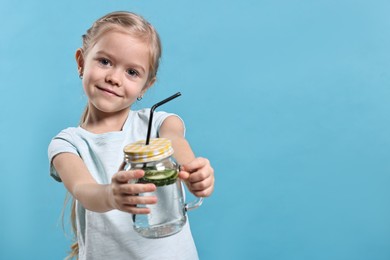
{"points": [[133, 92], [90, 78], [135, 88], [84, 86], [91, 75], [88, 82], [87, 90]]}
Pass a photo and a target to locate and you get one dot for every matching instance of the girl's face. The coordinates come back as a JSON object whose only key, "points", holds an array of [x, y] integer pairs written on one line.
{"points": [[115, 71]]}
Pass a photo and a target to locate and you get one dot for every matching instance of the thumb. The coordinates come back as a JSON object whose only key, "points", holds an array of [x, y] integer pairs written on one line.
{"points": [[183, 174], [125, 176]]}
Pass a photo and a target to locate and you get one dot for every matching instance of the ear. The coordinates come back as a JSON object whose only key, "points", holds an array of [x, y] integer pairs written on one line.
{"points": [[80, 60]]}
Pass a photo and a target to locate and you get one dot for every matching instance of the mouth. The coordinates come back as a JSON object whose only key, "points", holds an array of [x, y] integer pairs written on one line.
{"points": [[108, 91]]}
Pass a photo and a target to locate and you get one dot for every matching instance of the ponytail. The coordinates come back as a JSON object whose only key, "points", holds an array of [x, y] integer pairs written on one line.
{"points": [[84, 115], [74, 252]]}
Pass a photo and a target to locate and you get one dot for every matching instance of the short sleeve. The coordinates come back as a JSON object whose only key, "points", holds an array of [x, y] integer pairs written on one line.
{"points": [[59, 144], [159, 120], [141, 118]]}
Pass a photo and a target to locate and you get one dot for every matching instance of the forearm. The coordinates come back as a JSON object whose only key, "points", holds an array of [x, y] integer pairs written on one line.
{"points": [[79, 182], [182, 150], [93, 196], [173, 129]]}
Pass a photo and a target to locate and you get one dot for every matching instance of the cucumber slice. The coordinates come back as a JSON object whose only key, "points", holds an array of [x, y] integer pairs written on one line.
{"points": [[159, 175], [159, 178]]}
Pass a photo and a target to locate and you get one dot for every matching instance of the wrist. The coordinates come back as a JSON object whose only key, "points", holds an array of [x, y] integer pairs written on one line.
{"points": [[110, 202]]}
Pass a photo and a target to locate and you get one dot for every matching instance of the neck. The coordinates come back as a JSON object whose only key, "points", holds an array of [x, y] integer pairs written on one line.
{"points": [[99, 122]]}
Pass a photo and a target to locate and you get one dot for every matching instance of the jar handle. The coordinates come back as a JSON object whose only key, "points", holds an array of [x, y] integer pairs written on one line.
{"points": [[194, 204]]}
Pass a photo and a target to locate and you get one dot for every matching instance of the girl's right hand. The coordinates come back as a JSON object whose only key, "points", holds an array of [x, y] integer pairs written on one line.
{"points": [[123, 195]]}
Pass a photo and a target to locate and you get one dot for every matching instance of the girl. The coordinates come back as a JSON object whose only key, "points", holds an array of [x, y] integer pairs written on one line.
{"points": [[117, 63]]}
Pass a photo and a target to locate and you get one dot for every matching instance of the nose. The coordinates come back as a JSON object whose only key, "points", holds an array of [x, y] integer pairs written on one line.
{"points": [[114, 77]]}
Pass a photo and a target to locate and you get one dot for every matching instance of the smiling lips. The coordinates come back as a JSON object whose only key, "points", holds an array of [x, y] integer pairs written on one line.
{"points": [[109, 91]]}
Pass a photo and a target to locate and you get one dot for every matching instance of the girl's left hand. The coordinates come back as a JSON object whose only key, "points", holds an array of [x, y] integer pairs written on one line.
{"points": [[199, 177]]}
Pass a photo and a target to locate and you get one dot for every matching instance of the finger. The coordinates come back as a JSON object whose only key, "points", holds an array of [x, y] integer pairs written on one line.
{"points": [[200, 175], [203, 193], [137, 188], [197, 163], [133, 209], [125, 176], [203, 188], [201, 185], [183, 175], [136, 200]]}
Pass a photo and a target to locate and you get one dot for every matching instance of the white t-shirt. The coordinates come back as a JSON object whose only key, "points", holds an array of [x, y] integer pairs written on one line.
{"points": [[110, 235]]}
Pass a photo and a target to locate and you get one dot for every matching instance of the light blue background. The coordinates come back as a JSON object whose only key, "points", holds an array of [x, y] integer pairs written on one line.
{"points": [[290, 100]]}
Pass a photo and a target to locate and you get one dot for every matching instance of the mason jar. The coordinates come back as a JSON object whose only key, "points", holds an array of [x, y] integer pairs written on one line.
{"points": [[168, 215]]}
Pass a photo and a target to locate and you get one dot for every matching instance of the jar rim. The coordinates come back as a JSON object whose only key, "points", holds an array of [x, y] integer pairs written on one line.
{"points": [[157, 149]]}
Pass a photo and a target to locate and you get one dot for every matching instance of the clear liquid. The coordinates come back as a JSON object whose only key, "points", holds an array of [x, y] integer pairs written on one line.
{"points": [[167, 216]]}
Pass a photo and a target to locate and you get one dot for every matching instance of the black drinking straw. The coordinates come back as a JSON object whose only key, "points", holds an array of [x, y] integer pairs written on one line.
{"points": [[152, 110]]}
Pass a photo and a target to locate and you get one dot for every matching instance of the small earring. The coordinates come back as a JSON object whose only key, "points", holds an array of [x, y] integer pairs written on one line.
{"points": [[139, 98], [81, 76]]}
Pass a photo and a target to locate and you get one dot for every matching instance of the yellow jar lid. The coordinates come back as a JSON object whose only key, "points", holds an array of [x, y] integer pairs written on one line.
{"points": [[157, 149]]}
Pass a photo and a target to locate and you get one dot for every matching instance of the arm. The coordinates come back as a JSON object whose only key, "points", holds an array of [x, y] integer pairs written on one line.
{"points": [[197, 172], [119, 194]]}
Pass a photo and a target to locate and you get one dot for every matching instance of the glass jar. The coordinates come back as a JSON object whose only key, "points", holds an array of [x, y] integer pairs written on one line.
{"points": [[168, 215]]}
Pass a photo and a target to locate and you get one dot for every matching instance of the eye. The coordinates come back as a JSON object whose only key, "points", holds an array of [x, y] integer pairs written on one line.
{"points": [[133, 72], [104, 61]]}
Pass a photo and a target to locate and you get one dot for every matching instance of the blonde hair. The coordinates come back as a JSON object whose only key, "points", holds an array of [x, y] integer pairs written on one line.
{"points": [[136, 26]]}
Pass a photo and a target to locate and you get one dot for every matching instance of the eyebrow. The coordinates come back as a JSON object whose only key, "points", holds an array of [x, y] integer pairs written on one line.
{"points": [[132, 65]]}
